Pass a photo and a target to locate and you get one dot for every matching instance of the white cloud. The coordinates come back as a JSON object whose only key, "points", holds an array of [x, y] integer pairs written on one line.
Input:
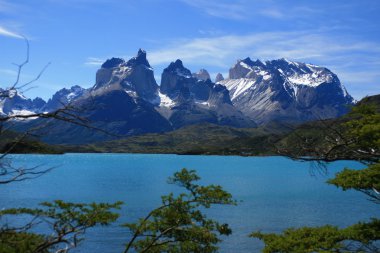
{"points": [[6, 32]]}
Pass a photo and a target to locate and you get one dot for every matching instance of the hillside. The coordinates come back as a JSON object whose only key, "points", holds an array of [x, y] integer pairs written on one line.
{"points": [[195, 139], [12, 142]]}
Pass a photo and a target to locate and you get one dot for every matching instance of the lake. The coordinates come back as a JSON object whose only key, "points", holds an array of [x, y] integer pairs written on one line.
{"points": [[273, 192]]}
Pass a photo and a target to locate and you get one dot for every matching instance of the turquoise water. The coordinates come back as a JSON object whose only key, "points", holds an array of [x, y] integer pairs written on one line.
{"points": [[273, 192]]}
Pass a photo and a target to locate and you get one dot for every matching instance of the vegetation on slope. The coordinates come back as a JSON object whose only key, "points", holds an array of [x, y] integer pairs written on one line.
{"points": [[12, 142]]}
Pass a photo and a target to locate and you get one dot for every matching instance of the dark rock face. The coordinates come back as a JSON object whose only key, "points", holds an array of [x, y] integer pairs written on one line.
{"points": [[38, 103], [177, 79], [219, 95], [219, 77], [174, 78], [281, 90], [140, 59], [112, 63]]}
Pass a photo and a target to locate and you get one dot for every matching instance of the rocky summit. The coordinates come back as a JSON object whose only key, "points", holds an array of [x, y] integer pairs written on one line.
{"points": [[202, 74], [126, 99], [134, 76]]}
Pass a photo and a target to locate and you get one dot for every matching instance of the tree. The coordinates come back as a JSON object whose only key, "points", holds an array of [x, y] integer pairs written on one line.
{"points": [[179, 225], [67, 222], [358, 139]]}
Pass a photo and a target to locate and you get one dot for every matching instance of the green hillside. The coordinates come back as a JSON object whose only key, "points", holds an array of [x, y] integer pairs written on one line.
{"points": [[12, 142], [195, 139]]}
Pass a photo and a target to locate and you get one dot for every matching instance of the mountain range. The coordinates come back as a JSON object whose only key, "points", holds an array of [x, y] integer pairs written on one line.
{"points": [[126, 99]]}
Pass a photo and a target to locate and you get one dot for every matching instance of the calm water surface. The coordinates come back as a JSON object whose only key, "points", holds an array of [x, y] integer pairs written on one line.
{"points": [[273, 192]]}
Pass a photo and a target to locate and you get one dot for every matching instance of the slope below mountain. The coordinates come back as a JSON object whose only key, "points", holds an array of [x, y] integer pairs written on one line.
{"points": [[111, 115], [195, 139]]}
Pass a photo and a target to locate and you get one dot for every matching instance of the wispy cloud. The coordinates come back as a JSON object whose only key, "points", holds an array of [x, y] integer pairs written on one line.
{"points": [[273, 13], [297, 45], [221, 8], [6, 6], [9, 72], [8, 33], [353, 60], [246, 9], [94, 61]]}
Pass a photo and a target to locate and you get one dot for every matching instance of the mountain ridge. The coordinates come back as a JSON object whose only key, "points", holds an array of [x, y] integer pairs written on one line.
{"points": [[255, 91]]}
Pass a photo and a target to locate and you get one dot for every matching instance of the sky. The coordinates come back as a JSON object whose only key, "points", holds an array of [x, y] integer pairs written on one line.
{"points": [[73, 37]]}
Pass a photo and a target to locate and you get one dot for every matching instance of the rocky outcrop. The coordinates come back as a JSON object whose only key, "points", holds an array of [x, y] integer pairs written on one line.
{"points": [[202, 74], [219, 77]]}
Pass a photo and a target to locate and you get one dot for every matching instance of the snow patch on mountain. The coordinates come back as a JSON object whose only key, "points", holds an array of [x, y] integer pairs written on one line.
{"points": [[22, 112], [165, 101], [237, 87]]}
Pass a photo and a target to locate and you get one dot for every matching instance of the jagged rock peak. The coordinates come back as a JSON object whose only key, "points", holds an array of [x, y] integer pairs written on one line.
{"points": [[202, 74], [242, 68], [219, 77], [38, 102], [141, 53], [178, 68], [175, 65], [63, 97], [140, 59], [112, 63], [247, 61], [252, 63]]}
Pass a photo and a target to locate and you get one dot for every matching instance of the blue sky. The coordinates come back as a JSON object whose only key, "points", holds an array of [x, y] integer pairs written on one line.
{"points": [[77, 35]]}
